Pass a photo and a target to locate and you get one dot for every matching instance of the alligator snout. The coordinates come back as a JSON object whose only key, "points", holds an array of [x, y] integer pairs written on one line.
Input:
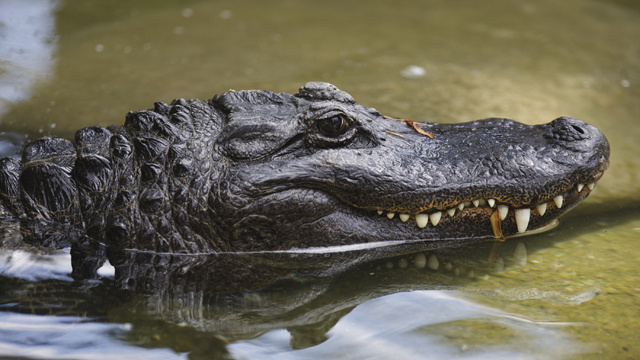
{"points": [[580, 137]]}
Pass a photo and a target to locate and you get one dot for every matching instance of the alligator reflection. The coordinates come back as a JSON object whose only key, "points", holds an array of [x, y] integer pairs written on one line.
{"points": [[170, 275], [240, 296]]}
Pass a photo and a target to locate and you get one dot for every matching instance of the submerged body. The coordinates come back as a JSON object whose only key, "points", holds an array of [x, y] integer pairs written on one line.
{"points": [[260, 171]]}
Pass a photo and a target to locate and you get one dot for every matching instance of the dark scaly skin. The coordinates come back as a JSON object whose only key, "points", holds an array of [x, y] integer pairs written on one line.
{"points": [[261, 171]]}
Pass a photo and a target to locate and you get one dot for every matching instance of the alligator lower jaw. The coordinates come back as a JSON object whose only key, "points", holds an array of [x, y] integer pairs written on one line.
{"points": [[522, 216]]}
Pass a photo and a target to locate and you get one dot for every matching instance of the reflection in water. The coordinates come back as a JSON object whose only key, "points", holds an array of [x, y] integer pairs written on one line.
{"points": [[27, 44], [401, 306]]}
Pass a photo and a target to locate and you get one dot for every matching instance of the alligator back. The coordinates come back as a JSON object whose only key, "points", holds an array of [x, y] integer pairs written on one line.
{"points": [[143, 185]]}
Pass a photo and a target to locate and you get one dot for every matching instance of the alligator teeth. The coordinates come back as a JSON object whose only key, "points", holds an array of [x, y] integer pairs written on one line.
{"points": [[522, 219], [522, 215], [478, 202], [422, 220], [542, 208], [435, 217], [503, 210], [558, 200], [496, 225]]}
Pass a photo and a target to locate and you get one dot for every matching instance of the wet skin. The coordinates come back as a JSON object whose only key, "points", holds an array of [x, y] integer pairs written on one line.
{"points": [[261, 171]]}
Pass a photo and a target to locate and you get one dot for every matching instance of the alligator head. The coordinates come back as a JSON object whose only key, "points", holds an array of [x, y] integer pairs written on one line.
{"points": [[262, 171], [318, 169]]}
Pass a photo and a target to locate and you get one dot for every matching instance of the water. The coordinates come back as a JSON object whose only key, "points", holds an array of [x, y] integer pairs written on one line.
{"points": [[572, 292]]}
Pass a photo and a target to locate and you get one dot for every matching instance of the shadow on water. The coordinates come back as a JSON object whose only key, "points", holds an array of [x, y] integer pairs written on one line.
{"points": [[257, 305]]}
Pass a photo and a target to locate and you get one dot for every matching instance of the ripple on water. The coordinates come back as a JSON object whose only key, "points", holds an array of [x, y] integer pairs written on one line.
{"points": [[69, 337], [418, 324]]}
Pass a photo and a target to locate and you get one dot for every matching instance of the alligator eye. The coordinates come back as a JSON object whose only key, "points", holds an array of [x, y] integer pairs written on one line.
{"points": [[333, 126]]}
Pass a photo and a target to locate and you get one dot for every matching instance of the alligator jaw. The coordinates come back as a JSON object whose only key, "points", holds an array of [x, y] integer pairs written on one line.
{"points": [[501, 216]]}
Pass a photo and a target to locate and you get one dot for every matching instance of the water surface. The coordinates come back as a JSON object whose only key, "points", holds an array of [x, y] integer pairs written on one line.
{"points": [[572, 292]]}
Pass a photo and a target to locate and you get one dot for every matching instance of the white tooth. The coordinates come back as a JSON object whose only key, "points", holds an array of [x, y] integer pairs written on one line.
{"points": [[476, 203], [451, 211], [558, 200], [542, 208], [522, 219], [461, 206], [390, 215], [404, 217], [591, 185], [503, 210], [422, 220], [491, 202], [579, 187], [380, 212], [435, 217]]}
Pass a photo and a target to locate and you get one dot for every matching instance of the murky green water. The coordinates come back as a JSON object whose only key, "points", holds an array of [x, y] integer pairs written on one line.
{"points": [[573, 292]]}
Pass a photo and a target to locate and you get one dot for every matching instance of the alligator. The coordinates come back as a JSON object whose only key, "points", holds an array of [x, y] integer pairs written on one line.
{"points": [[258, 171]]}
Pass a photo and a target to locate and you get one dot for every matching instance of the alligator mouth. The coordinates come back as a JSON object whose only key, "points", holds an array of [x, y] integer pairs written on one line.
{"points": [[525, 217]]}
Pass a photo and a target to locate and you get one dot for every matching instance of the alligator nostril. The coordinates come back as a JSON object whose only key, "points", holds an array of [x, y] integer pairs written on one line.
{"points": [[568, 129]]}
